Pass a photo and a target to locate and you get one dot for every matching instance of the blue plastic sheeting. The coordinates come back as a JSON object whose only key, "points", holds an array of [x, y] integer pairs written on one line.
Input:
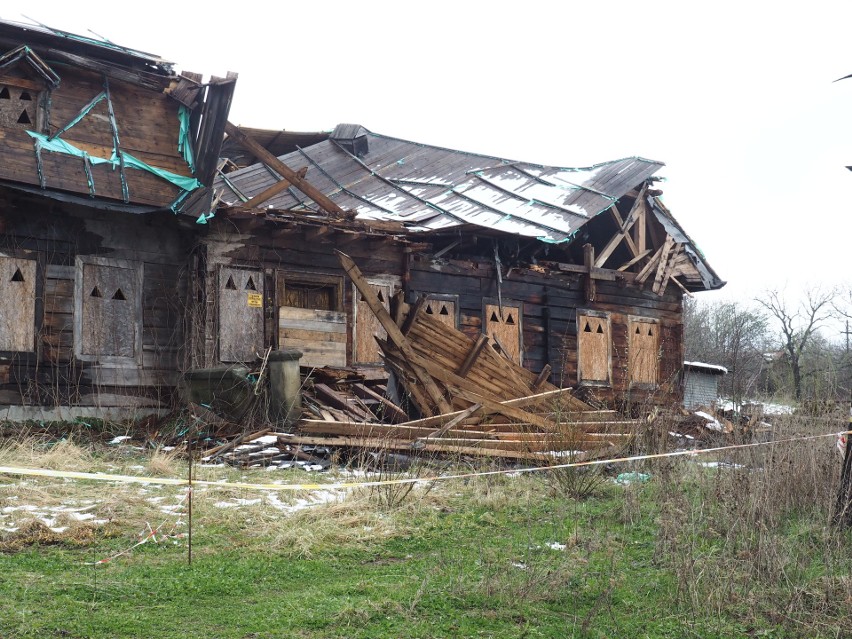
{"points": [[58, 145], [184, 143]]}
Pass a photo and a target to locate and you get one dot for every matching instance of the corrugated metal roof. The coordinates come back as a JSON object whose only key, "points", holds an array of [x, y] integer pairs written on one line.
{"points": [[430, 188]]}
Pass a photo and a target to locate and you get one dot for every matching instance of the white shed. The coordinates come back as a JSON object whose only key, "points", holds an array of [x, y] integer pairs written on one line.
{"points": [[701, 383]]}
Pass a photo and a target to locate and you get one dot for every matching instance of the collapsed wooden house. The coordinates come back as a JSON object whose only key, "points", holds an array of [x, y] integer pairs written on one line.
{"points": [[578, 271], [132, 254]]}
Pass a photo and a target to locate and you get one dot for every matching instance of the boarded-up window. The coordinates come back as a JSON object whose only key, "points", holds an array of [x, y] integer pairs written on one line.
{"points": [[505, 328], [311, 318], [443, 310], [594, 348], [643, 350], [108, 298], [17, 304], [18, 107], [306, 295], [367, 326], [240, 314]]}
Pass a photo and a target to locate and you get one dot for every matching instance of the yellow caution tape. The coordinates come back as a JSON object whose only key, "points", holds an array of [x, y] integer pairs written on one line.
{"points": [[169, 481]]}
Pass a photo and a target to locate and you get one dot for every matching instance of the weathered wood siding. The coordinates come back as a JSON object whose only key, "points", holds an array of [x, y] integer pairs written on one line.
{"points": [[550, 304], [109, 364], [299, 254], [148, 129]]}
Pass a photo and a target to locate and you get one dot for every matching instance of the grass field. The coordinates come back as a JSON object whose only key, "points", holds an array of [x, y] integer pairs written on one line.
{"points": [[723, 551]]}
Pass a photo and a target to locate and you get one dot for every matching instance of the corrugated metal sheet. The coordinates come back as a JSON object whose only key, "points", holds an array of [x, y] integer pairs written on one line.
{"points": [[428, 188]]}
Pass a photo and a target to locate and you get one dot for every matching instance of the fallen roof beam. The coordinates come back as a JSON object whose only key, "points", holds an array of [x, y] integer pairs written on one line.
{"points": [[286, 172]]}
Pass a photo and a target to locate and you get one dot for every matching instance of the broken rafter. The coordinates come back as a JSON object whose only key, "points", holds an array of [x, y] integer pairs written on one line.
{"points": [[268, 193], [623, 233], [285, 171], [663, 266]]}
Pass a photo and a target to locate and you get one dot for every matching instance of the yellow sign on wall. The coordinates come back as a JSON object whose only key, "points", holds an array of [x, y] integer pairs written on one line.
{"points": [[255, 300]]}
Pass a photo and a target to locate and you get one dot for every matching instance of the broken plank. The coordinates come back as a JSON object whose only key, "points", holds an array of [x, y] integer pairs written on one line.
{"points": [[391, 409], [393, 331], [394, 444]]}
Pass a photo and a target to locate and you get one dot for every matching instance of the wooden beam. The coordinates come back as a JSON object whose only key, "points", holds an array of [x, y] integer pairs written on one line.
{"points": [[393, 331], [668, 245], [636, 259], [589, 263], [662, 287], [394, 411], [646, 270], [542, 377], [396, 444], [458, 419], [282, 169], [472, 355], [266, 194], [641, 226], [682, 287]]}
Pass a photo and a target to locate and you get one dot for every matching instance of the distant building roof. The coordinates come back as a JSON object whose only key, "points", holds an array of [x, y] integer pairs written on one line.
{"points": [[701, 367]]}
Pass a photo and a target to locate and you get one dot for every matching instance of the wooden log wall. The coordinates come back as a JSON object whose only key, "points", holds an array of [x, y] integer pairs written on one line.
{"points": [[54, 372], [550, 302], [148, 129], [277, 248]]}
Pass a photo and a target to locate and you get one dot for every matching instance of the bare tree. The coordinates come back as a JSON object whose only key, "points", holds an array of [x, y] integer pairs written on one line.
{"points": [[731, 334], [799, 324]]}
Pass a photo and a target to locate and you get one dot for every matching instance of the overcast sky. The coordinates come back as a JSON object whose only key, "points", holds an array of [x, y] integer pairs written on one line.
{"points": [[737, 98]]}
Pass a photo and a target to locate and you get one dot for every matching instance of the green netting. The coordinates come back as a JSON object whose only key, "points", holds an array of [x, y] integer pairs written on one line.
{"points": [[184, 143], [57, 145]]}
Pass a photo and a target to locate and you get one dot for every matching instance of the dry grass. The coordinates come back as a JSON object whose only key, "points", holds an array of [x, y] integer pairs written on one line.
{"points": [[35, 452], [161, 463]]}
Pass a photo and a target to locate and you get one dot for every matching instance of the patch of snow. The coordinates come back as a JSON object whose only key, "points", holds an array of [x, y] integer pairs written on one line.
{"points": [[714, 367], [316, 498], [119, 439], [235, 503], [712, 422], [719, 464], [555, 545]]}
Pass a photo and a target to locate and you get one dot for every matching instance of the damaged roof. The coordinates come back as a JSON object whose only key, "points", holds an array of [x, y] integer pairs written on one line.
{"points": [[48, 40], [430, 188]]}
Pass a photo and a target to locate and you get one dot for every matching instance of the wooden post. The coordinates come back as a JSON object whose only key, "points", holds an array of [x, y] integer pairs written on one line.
{"points": [[843, 507], [589, 263]]}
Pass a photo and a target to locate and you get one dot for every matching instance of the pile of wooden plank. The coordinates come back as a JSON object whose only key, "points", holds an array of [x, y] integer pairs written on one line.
{"points": [[473, 400]]}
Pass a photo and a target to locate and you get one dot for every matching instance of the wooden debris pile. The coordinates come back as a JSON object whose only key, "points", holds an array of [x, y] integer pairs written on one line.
{"points": [[473, 399], [343, 394]]}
